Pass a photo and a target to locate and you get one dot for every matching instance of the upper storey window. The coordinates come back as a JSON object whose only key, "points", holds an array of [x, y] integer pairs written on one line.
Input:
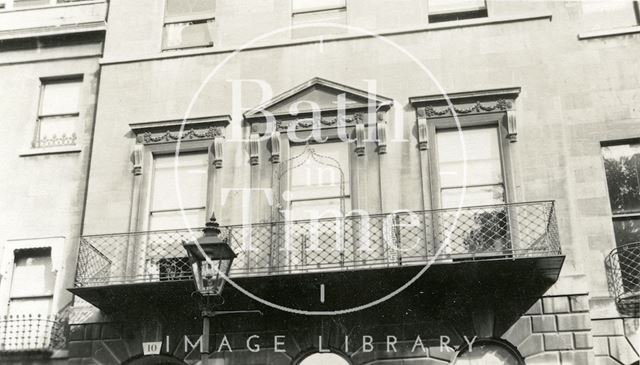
{"points": [[32, 283], [622, 168], [446, 10], [188, 24], [609, 14], [58, 114], [18, 4], [305, 14]]}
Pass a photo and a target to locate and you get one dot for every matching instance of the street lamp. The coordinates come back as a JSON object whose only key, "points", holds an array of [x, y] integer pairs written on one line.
{"points": [[211, 258]]}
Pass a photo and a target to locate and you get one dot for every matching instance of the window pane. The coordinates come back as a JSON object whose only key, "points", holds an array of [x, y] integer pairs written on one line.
{"points": [[324, 359], [622, 168], [481, 195], [188, 34], [32, 275], [189, 7], [194, 218], [30, 306], [607, 14], [317, 209], [321, 173], [60, 98], [191, 177], [56, 131], [310, 5], [455, 6], [28, 3], [482, 157], [627, 230]]}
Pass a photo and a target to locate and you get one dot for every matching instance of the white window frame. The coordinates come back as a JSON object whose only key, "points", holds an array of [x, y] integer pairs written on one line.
{"points": [[200, 17], [9, 4], [454, 13], [147, 185], [44, 81], [346, 170], [55, 244]]}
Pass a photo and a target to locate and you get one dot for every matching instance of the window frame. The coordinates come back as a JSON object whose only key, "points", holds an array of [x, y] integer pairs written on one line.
{"points": [[29, 297], [55, 244], [9, 4], [149, 153], [44, 81], [482, 120], [347, 182], [192, 18], [617, 216], [456, 15]]}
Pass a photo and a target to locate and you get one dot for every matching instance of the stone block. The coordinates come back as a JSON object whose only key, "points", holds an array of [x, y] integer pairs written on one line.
{"points": [[558, 341], [555, 304], [607, 327], [519, 331], [534, 344], [574, 322], [601, 346], [621, 350], [547, 358], [583, 340], [579, 303], [536, 308], [577, 358], [605, 360], [543, 323], [80, 349]]}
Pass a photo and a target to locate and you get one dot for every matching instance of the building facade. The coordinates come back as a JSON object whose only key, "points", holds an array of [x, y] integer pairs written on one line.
{"points": [[422, 182], [49, 72]]}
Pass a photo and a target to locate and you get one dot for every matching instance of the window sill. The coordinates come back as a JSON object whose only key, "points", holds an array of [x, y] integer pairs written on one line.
{"points": [[50, 151], [608, 32]]}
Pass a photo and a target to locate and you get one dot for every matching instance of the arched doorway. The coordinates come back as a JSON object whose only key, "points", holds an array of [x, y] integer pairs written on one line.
{"points": [[489, 352], [154, 360], [323, 358]]}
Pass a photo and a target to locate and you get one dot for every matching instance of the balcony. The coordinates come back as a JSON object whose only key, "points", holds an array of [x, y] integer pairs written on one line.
{"points": [[33, 333], [523, 235], [623, 275]]}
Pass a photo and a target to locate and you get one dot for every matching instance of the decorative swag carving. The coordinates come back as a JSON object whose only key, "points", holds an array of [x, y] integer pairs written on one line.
{"points": [[466, 103]]}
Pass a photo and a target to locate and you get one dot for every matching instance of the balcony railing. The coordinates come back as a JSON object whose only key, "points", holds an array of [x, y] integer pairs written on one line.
{"points": [[623, 275], [31, 333], [354, 242]]}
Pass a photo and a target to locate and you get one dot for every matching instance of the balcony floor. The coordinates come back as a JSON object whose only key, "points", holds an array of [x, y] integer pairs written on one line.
{"points": [[507, 286]]}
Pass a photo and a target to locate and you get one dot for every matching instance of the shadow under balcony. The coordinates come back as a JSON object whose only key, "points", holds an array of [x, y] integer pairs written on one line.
{"points": [[497, 252], [623, 276]]}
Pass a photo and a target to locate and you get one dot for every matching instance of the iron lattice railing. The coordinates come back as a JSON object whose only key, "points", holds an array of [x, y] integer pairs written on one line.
{"points": [[31, 332], [354, 242], [623, 275]]}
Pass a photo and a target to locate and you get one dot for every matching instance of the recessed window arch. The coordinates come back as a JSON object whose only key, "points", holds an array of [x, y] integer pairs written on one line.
{"points": [[489, 352]]}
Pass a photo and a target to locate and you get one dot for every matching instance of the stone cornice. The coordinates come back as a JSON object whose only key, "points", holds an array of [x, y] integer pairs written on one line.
{"points": [[169, 130]]}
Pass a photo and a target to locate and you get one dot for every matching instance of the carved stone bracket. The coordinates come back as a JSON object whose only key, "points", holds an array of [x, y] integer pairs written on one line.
{"points": [[254, 146], [136, 158], [216, 152], [361, 134], [381, 133], [423, 131], [512, 132], [275, 147]]}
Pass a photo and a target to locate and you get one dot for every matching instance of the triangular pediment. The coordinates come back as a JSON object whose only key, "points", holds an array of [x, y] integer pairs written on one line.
{"points": [[320, 92]]}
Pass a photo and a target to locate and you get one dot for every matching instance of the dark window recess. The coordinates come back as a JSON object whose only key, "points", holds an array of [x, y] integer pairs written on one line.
{"points": [[436, 18]]}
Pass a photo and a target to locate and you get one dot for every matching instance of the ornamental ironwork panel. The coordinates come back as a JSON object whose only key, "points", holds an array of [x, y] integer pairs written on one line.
{"points": [[623, 275], [511, 231], [31, 332]]}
